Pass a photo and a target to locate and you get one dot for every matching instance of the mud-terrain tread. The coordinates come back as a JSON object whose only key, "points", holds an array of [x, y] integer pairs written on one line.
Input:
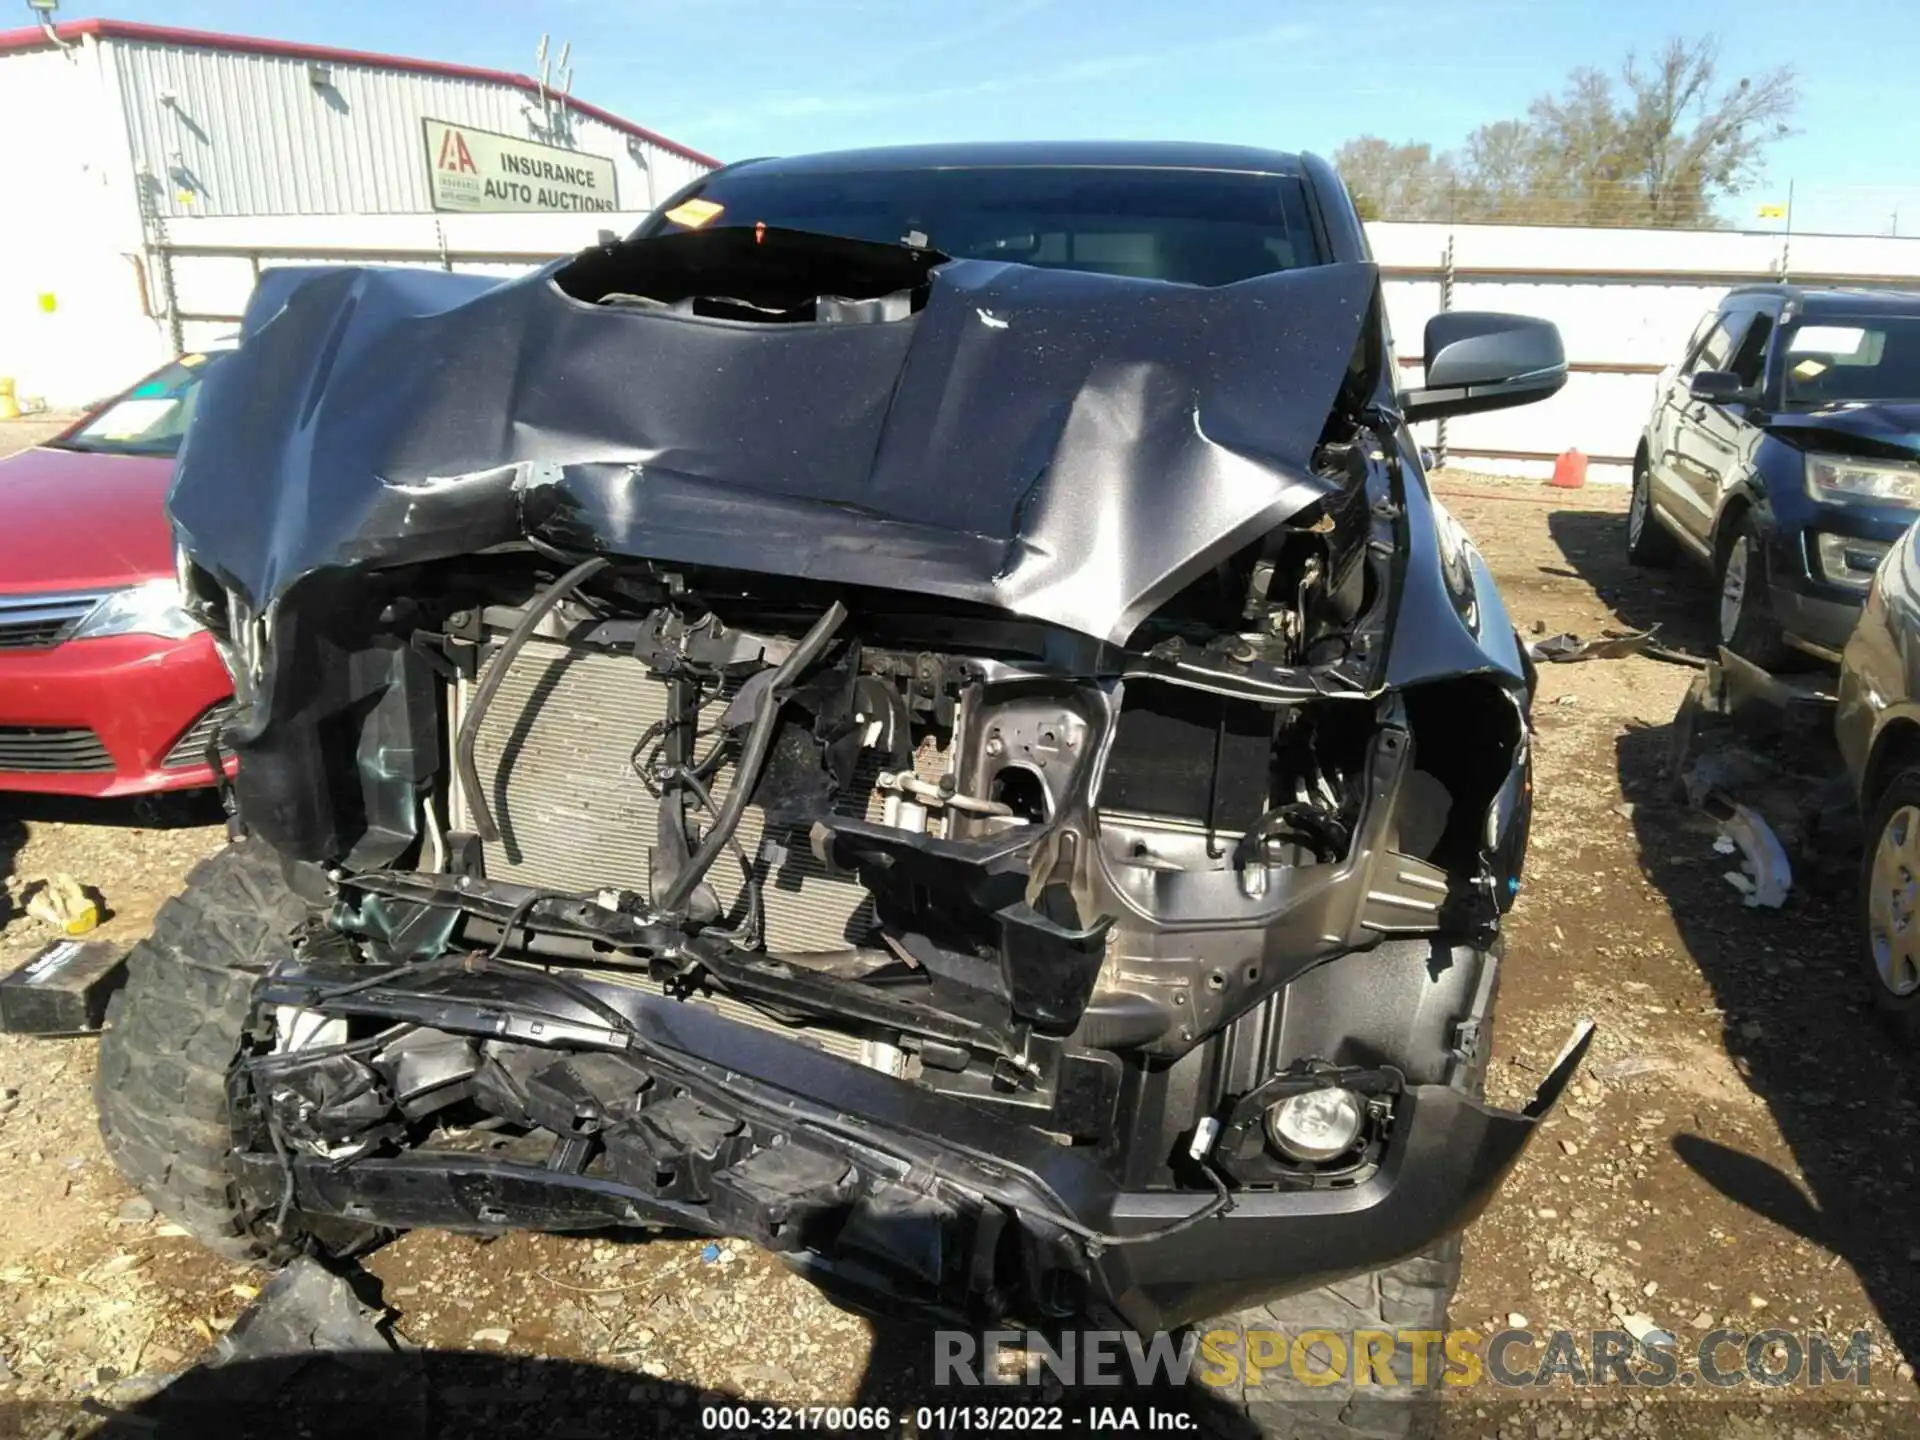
{"points": [[1411, 1295], [172, 1034]]}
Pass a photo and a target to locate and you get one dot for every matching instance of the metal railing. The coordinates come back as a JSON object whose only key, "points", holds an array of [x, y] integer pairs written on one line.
{"points": [[1453, 266]]}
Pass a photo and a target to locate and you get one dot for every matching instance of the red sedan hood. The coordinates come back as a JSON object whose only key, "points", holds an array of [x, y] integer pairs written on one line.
{"points": [[74, 521]]}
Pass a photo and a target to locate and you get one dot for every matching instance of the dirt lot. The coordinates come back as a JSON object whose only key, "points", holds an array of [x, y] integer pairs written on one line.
{"points": [[1724, 1163]]}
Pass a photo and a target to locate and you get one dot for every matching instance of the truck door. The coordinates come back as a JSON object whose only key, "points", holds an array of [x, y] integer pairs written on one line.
{"points": [[1700, 448]]}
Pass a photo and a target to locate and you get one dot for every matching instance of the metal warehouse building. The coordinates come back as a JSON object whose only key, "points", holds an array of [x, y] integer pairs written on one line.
{"points": [[133, 150]]}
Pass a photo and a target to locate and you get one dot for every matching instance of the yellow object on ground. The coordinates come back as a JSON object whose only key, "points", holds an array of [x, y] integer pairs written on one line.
{"points": [[59, 901]]}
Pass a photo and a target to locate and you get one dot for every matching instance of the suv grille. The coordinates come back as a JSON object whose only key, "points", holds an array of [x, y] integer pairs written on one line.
{"points": [[38, 622], [32, 749], [191, 748]]}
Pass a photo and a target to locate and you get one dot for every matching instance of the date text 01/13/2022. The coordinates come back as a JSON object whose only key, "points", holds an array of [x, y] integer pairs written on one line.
{"points": [[980, 1419]]}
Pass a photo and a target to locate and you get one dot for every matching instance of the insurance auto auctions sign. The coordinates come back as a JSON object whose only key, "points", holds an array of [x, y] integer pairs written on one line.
{"points": [[477, 170]]}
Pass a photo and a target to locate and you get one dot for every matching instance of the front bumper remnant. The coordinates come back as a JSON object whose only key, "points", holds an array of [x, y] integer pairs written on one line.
{"points": [[701, 1123]]}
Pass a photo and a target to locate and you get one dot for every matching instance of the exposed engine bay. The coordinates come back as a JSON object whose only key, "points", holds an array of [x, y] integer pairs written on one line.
{"points": [[975, 934]]}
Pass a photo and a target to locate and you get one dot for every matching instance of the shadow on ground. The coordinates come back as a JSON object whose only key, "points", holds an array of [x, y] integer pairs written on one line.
{"points": [[1797, 1020], [174, 811], [18, 810], [437, 1395], [441, 1395], [1800, 1027], [13, 835], [1679, 600]]}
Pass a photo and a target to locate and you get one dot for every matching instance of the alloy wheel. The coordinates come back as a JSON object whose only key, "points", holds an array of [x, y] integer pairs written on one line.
{"points": [[1893, 896]]}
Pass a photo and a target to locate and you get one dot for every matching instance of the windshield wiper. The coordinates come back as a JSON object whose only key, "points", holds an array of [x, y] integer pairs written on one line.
{"points": [[85, 447]]}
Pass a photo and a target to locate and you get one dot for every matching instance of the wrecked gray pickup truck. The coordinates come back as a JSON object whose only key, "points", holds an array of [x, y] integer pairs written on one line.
{"points": [[918, 711]]}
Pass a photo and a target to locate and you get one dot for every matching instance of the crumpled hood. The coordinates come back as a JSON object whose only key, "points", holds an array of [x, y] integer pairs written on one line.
{"points": [[1064, 446], [1877, 427]]}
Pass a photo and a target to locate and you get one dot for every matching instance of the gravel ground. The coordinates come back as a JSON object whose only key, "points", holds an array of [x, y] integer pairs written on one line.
{"points": [[1724, 1162], [32, 429]]}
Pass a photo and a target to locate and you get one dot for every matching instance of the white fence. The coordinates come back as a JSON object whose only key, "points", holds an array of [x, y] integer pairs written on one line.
{"points": [[1625, 300], [211, 264]]}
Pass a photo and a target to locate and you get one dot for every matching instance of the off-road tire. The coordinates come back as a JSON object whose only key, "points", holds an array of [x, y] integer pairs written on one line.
{"points": [[173, 1033], [1754, 635], [1899, 1013], [1649, 543], [1412, 1295]]}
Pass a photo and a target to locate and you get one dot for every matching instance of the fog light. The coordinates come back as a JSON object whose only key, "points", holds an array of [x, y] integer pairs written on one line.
{"points": [[1845, 560], [1316, 1125]]}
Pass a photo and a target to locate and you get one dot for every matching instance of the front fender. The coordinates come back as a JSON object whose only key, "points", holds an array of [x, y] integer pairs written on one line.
{"points": [[1449, 617]]}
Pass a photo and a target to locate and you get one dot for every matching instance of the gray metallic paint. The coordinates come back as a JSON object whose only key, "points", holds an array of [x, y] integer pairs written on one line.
{"points": [[1068, 447]]}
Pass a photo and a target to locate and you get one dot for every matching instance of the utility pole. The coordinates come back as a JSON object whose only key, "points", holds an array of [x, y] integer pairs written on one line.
{"points": [[1786, 241]]}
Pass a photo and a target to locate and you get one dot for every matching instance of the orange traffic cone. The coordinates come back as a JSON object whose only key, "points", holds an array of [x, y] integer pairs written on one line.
{"points": [[1570, 470]]}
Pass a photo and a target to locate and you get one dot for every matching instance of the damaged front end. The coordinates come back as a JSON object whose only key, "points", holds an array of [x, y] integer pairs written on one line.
{"points": [[927, 781]]}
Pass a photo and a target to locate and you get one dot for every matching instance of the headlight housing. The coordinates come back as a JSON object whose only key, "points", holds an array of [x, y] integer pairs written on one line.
{"points": [[1847, 477], [152, 608]]}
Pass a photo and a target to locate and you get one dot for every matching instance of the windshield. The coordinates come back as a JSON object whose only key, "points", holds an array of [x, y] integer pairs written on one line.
{"points": [[151, 418], [1836, 358], [1203, 227]]}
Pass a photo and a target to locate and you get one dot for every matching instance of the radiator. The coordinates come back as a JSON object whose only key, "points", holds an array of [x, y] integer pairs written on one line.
{"points": [[554, 755]]}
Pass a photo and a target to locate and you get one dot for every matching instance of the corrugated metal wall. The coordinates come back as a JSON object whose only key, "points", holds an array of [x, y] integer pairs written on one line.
{"points": [[237, 133], [215, 260]]}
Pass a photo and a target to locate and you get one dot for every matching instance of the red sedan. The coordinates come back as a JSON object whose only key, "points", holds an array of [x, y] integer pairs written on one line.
{"points": [[106, 686]]}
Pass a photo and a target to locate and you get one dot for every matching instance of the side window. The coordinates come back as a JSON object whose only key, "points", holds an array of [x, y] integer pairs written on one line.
{"points": [[1750, 360], [1699, 334], [1717, 349]]}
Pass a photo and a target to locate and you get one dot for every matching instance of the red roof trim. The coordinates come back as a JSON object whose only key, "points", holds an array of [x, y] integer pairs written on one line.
{"points": [[34, 39]]}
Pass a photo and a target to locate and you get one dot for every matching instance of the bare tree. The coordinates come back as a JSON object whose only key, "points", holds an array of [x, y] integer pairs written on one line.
{"points": [[1578, 151], [1660, 143], [1498, 166], [1685, 143], [1401, 182]]}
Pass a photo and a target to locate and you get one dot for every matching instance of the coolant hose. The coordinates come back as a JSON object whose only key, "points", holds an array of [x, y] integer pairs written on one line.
{"points": [[484, 692], [753, 755]]}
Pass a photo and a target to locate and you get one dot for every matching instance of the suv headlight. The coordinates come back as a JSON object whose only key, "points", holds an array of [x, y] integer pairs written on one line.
{"points": [[152, 608], [1844, 477]]}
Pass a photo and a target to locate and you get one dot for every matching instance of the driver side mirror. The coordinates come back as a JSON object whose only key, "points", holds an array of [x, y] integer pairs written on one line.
{"points": [[1721, 387], [1478, 360]]}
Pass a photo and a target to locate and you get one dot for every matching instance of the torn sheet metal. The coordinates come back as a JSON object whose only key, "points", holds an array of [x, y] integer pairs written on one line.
{"points": [[1766, 876], [1567, 648], [304, 1308], [1746, 684], [1065, 446]]}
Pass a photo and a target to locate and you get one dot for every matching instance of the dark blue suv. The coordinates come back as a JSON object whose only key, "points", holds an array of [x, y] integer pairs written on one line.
{"points": [[1784, 450]]}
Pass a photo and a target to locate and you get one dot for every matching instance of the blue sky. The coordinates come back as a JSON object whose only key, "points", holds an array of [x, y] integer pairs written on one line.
{"points": [[743, 77]]}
